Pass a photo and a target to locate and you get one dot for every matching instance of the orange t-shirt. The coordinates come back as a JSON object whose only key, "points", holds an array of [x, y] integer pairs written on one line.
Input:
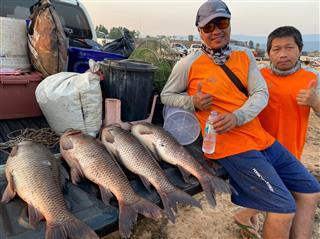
{"points": [[226, 99], [283, 118]]}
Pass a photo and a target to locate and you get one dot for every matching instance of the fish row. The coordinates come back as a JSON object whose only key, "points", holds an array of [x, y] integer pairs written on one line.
{"points": [[34, 175]]}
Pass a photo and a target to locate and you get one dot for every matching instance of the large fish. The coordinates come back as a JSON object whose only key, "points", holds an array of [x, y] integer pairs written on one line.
{"points": [[134, 156], [87, 157], [165, 147], [31, 173]]}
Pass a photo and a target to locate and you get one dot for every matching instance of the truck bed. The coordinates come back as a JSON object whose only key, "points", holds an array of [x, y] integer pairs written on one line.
{"points": [[83, 200]]}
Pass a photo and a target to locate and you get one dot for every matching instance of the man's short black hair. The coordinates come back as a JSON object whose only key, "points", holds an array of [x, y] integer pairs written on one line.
{"points": [[285, 31]]}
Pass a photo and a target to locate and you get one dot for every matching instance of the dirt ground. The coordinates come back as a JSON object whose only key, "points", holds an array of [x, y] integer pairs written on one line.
{"points": [[217, 223]]}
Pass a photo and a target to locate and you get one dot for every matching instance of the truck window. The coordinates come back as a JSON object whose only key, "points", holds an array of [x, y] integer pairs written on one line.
{"points": [[72, 17]]}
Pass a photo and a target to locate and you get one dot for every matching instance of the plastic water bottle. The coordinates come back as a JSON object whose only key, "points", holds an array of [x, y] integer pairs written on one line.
{"points": [[210, 135]]}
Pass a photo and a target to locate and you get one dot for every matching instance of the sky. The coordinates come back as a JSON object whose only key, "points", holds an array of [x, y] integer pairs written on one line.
{"points": [[177, 17]]}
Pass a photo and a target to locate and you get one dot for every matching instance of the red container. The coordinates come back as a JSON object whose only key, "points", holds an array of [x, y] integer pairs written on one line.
{"points": [[17, 95]]}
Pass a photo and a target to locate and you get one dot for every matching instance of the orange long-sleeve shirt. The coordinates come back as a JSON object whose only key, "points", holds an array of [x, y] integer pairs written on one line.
{"points": [[283, 118], [226, 99]]}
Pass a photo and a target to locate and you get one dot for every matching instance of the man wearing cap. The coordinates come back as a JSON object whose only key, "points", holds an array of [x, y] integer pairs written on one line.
{"points": [[258, 166]]}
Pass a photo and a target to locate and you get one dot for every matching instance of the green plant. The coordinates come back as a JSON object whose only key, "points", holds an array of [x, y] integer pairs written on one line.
{"points": [[164, 65]]}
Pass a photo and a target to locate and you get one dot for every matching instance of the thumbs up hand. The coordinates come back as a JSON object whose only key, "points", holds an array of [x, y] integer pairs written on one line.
{"points": [[308, 97], [202, 101]]}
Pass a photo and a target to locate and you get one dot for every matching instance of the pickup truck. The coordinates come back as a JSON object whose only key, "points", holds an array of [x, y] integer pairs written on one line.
{"points": [[84, 199]]}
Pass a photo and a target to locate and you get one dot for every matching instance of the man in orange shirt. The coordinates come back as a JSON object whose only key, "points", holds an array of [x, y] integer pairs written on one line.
{"points": [[257, 164], [293, 91]]}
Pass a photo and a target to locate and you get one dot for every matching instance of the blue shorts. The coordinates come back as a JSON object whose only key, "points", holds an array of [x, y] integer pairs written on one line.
{"points": [[264, 179]]}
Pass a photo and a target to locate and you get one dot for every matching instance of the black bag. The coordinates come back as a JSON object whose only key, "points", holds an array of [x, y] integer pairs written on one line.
{"points": [[123, 46]]}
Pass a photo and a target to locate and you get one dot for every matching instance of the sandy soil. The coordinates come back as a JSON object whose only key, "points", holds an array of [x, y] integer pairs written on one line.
{"points": [[217, 223]]}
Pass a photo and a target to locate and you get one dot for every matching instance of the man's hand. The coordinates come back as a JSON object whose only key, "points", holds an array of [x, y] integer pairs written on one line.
{"points": [[224, 123], [202, 101], [308, 97]]}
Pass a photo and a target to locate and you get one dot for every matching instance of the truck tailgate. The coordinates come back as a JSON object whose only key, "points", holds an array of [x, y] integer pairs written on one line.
{"points": [[83, 200]]}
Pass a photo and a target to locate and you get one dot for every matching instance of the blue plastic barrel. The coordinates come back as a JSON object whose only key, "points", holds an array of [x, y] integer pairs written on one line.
{"points": [[79, 58]]}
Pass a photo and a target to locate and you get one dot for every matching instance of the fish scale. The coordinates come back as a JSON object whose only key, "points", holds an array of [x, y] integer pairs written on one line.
{"points": [[164, 146], [88, 157], [27, 171], [131, 149], [32, 172], [102, 169], [134, 156]]}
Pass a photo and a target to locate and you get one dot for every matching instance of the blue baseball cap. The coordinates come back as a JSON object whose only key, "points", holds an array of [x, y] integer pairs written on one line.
{"points": [[210, 10]]}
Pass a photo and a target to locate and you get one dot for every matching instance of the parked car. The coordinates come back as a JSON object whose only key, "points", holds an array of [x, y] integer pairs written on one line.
{"points": [[101, 38], [194, 47], [179, 49]]}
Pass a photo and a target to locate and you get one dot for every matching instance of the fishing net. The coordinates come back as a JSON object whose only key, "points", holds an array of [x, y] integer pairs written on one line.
{"points": [[45, 136]]}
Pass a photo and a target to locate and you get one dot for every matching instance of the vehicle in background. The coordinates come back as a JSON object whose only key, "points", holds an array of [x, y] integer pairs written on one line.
{"points": [[179, 49], [194, 47], [74, 17], [101, 38]]}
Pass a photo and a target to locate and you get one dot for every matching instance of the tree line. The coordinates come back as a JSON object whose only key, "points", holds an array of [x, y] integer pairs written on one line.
{"points": [[116, 32]]}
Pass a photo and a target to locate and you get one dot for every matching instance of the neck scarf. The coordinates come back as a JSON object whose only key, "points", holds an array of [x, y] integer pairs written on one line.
{"points": [[218, 56], [287, 72]]}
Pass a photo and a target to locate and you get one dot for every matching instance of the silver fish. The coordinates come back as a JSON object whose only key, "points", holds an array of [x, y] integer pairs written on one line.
{"points": [[32, 174], [134, 156], [87, 157], [165, 147]]}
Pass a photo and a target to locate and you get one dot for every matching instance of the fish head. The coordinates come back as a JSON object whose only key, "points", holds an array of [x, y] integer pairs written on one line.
{"points": [[145, 134], [108, 137], [72, 132], [68, 140]]}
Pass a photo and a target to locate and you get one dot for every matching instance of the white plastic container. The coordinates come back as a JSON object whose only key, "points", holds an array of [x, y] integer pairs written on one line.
{"points": [[14, 45], [181, 124]]}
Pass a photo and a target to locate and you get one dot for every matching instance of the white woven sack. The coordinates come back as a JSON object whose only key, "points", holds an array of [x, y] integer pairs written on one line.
{"points": [[72, 100], [14, 53]]}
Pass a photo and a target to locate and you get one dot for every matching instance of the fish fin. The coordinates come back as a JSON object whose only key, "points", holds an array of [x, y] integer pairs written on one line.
{"points": [[73, 228], [128, 214], [145, 182], [35, 216], [117, 155], [209, 192], [63, 176], [211, 184], [185, 174], [170, 200], [14, 151], [76, 174], [168, 207], [10, 191], [106, 195], [66, 143], [221, 185], [156, 153], [108, 137]]}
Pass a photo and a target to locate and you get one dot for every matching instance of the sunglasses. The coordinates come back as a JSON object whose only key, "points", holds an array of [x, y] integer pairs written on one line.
{"points": [[221, 24]]}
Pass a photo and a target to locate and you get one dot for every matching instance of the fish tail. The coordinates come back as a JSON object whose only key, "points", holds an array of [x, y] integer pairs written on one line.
{"points": [[73, 228], [128, 214], [211, 184], [170, 200]]}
